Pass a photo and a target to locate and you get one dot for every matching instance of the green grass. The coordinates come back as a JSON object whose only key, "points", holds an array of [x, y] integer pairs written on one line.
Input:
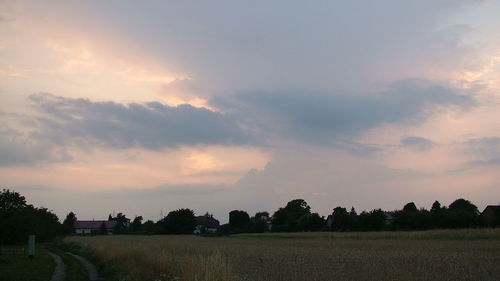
{"points": [[15, 265]]}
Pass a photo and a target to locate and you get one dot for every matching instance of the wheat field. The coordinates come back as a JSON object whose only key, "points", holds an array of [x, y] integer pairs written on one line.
{"points": [[428, 255]]}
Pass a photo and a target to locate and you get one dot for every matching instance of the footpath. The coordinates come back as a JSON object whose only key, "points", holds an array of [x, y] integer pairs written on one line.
{"points": [[60, 270]]}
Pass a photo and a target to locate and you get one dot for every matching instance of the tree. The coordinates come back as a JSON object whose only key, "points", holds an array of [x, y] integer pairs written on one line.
{"points": [[287, 218], [436, 207], [258, 223], [340, 219], [406, 218], [69, 223], [460, 214], [121, 223], [102, 229], [149, 227], [311, 222], [373, 220], [18, 219], [353, 220], [261, 215], [410, 207], [136, 224], [465, 206], [437, 215], [239, 221], [181, 221], [11, 201]]}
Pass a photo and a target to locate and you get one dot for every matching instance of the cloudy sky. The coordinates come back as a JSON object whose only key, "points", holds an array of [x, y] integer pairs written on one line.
{"points": [[147, 107]]}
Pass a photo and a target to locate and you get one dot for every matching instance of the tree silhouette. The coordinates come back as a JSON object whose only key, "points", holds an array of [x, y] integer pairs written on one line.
{"points": [[136, 225], [465, 206], [410, 207], [287, 218], [18, 219], [181, 221], [436, 207], [340, 219], [239, 221], [103, 229], [69, 223], [311, 222]]}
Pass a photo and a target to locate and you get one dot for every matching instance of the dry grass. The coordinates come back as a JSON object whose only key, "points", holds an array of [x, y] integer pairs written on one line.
{"points": [[434, 255], [444, 234]]}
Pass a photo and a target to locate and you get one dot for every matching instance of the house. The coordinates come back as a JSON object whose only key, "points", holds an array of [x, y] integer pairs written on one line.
{"points": [[268, 220], [93, 227], [388, 218], [329, 221], [206, 224], [491, 215], [120, 218]]}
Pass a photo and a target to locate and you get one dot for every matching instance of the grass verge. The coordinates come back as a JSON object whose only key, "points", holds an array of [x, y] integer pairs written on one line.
{"points": [[107, 270], [74, 269], [15, 265]]}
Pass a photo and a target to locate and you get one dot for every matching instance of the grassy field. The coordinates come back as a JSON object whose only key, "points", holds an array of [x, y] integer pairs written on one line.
{"points": [[429, 255], [16, 266]]}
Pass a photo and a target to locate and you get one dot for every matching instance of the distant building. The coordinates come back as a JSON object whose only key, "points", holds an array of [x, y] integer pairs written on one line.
{"points": [[491, 215], [93, 227], [206, 224], [388, 218], [268, 221], [329, 221]]}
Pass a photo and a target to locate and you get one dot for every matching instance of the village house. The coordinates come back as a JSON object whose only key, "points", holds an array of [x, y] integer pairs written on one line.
{"points": [[491, 215], [94, 227], [269, 222], [206, 224]]}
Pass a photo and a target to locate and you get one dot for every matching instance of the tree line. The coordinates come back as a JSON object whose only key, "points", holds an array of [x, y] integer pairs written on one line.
{"points": [[19, 219]]}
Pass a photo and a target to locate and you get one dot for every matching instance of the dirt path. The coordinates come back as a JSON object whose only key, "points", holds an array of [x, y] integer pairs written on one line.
{"points": [[91, 269], [60, 270]]}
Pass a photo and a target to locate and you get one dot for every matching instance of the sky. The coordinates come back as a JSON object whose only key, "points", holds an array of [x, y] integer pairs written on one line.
{"points": [[147, 107]]}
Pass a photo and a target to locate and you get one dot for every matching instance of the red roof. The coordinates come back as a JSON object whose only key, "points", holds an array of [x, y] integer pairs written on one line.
{"points": [[94, 224], [207, 221]]}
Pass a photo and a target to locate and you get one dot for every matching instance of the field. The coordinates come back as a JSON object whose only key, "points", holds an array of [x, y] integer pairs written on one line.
{"points": [[429, 255]]}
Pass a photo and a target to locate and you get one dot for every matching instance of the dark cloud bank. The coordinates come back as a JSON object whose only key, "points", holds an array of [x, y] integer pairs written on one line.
{"points": [[325, 118], [150, 125], [251, 119]]}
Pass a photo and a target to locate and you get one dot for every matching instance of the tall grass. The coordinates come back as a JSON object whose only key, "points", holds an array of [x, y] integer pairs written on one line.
{"points": [[159, 257], [439, 234], [434, 255]]}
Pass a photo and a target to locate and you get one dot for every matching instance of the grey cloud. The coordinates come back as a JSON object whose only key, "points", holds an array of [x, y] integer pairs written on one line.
{"points": [[18, 149], [150, 125], [417, 143], [480, 163], [240, 45], [330, 118], [488, 148], [182, 190], [251, 119]]}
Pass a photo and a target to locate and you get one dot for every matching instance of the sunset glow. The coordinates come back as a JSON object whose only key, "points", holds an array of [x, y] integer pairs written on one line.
{"points": [[214, 104]]}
